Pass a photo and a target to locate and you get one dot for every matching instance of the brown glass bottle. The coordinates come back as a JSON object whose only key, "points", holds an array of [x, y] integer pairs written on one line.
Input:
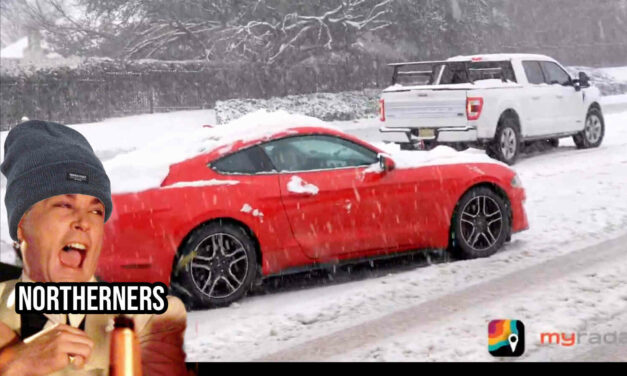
{"points": [[125, 354]]}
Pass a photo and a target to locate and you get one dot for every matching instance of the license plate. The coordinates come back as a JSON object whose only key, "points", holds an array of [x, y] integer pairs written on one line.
{"points": [[426, 133]]}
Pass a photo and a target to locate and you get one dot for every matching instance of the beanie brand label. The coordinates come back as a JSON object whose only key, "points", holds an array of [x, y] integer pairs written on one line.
{"points": [[77, 177]]}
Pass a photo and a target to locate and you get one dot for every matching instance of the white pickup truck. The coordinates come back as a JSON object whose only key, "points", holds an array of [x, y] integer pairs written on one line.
{"points": [[496, 101]]}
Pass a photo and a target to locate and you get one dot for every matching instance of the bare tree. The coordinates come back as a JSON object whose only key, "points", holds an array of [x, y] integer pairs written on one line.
{"points": [[253, 30], [263, 31], [80, 27], [12, 22], [289, 31], [297, 35]]}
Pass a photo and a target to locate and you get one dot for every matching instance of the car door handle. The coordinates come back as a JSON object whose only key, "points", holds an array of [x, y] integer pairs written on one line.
{"points": [[559, 96], [535, 98]]}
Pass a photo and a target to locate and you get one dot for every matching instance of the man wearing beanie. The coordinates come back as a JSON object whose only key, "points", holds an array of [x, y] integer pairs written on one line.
{"points": [[58, 198]]}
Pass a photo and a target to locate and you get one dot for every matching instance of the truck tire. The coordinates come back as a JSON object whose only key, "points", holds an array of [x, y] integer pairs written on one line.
{"points": [[507, 142], [593, 131], [459, 146]]}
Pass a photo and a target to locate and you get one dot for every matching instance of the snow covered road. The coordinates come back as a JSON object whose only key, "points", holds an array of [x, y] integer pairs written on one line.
{"points": [[390, 335]]}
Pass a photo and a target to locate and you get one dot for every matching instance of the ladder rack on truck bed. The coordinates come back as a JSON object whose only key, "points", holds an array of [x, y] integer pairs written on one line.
{"points": [[437, 68]]}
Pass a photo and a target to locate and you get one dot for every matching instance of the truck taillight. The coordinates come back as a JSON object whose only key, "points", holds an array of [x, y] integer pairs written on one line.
{"points": [[473, 107], [382, 109]]}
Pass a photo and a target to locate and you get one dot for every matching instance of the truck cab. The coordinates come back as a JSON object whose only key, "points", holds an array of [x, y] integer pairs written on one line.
{"points": [[496, 102]]}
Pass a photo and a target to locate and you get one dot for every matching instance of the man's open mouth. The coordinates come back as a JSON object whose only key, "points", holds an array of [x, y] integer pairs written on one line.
{"points": [[73, 255]]}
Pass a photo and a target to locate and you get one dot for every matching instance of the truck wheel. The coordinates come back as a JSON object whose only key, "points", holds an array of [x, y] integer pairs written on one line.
{"points": [[593, 131], [419, 145], [507, 142], [459, 146], [408, 146]]}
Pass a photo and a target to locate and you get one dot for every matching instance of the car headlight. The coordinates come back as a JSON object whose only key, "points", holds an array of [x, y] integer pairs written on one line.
{"points": [[516, 182]]}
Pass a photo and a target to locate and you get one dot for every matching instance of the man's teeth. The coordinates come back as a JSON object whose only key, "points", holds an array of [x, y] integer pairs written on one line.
{"points": [[80, 246]]}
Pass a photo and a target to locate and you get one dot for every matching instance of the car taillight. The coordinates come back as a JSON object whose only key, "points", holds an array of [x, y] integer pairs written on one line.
{"points": [[382, 109], [473, 108]]}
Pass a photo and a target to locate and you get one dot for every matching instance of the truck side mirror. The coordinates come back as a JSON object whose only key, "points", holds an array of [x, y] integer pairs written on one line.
{"points": [[584, 80]]}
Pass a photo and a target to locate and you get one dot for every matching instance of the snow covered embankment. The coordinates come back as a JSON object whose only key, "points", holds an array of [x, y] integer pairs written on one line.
{"points": [[326, 106], [610, 81]]}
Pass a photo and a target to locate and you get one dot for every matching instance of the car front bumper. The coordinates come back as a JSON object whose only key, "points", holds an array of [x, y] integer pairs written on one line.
{"points": [[519, 215]]}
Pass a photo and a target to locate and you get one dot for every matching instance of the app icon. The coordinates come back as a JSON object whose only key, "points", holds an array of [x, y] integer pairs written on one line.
{"points": [[506, 337]]}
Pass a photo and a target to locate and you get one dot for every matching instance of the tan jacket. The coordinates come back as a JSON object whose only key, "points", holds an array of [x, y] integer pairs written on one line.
{"points": [[160, 337]]}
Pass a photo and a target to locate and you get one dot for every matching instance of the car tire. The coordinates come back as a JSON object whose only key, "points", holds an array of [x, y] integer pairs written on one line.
{"points": [[480, 224], [594, 130], [507, 142], [217, 265]]}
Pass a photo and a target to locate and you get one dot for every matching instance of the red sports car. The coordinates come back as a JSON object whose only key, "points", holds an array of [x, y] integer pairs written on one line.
{"points": [[297, 198]]}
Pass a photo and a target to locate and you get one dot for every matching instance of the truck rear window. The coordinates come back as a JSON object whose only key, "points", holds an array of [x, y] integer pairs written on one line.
{"points": [[456, 73]]}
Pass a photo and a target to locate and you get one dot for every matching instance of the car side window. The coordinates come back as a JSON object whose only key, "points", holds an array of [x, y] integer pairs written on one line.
{"points": [[533, 71], [248, 161], [555, 74], [317, 152]]}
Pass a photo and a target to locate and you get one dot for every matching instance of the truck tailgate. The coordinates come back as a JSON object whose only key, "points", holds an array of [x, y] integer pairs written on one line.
{"points": [[425, 108]]}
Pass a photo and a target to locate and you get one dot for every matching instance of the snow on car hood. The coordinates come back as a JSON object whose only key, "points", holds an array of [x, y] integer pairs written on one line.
{"points": [[147, 166], [440, 155]]}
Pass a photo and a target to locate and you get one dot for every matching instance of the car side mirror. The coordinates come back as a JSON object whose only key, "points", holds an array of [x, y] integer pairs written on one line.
{"points": [[386, 163]]}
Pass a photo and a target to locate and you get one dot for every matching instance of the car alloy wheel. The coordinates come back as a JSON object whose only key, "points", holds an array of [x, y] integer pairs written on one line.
{"points": [[220, 266], [216, 265], [481, 223]]}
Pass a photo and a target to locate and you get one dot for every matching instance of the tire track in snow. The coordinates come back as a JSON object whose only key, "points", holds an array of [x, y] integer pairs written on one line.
{"points": [[351, 338], [611, 352]]}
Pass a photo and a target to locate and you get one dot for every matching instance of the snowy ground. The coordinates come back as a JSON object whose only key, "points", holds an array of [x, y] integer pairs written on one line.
{"points": [[560, 275]]}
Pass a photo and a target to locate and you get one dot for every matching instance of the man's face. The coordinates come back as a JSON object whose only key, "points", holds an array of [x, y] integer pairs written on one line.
{"points": [[63, 237]]}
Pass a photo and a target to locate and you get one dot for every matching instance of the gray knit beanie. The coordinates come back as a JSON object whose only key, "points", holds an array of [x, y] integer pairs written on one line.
{"points": [[43, 159]]}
